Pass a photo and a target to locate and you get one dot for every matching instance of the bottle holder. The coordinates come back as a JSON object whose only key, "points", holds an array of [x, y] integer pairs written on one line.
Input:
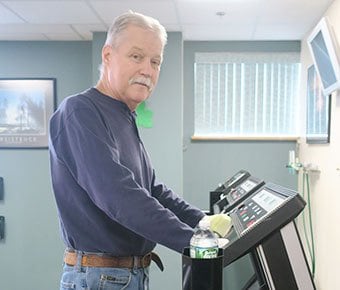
{"points": [[202, 274]]}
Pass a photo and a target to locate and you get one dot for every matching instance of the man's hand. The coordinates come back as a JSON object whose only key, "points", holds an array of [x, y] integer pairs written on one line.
{"points": [[220, 224]]}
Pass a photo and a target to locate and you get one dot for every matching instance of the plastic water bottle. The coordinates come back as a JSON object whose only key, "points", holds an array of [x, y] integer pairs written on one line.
{"points": [[203, 244]]}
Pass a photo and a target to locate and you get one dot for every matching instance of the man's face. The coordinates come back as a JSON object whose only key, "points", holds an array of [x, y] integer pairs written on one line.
{"points": [[133, 66]]}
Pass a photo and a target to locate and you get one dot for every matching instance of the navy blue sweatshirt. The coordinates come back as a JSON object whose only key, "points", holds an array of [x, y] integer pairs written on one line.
{"points": [[105, 187]]}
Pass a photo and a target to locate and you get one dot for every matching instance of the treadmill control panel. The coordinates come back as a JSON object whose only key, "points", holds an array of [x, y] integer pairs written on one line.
{"points": [[231, 199], [258, 208], [224, 188], [242, 190], [260, 214]]}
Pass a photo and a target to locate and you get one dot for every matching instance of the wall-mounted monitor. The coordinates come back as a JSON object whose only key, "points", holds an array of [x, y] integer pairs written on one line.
{"points": [[325, 54]]}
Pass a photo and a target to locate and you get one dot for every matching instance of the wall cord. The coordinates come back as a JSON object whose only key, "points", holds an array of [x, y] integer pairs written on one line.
{"points": [[310, 237]]}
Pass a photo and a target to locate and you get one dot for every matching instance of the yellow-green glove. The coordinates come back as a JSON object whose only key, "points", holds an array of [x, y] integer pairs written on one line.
{"points": [[220, 224]]}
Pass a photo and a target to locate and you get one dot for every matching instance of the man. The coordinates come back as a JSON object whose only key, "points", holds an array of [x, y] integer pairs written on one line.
{"points": [[111, 208]]}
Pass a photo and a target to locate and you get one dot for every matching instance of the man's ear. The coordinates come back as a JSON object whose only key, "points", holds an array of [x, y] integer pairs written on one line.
{"points": [[106, 53]]}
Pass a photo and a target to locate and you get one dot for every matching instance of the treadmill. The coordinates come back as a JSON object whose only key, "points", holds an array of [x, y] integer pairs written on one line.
{"points": [[263, 224]]}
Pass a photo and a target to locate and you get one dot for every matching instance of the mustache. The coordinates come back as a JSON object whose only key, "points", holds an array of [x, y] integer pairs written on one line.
{"points": [[142, 81]]}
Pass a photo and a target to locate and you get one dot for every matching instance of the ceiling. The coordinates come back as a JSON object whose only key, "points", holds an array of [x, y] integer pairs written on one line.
{"points": [[196, 19]]}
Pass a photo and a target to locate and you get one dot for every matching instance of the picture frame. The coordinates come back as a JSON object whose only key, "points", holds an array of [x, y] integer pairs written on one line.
{"points": [[318, 110], [26, 105]]}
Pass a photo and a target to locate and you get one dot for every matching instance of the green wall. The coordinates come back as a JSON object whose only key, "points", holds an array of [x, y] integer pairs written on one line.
{"points": [[31, 254]]}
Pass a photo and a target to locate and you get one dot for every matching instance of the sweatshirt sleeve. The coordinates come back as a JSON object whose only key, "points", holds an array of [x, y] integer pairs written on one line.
{"points": [[187, 213]]}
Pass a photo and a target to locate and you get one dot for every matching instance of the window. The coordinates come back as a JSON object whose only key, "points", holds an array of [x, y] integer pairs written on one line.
{"points": [[246, 94]]}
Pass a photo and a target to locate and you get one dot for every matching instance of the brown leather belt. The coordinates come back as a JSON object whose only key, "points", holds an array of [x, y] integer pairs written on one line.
{"points": [[93, 260]]}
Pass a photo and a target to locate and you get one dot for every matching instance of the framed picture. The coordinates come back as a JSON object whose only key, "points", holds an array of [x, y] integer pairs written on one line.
{"points": [[318, 110], [26, 105]]}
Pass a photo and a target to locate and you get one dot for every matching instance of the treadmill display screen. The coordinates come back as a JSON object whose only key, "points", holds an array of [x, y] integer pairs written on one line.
{"points": [[267, 200]]}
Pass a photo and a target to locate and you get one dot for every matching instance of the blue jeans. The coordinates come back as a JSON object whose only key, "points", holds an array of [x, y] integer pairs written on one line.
{"points": [[97, 278]]}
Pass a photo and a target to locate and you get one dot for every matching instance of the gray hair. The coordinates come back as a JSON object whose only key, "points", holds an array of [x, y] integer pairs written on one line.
{"points": [[120, 24], [133, 18]]}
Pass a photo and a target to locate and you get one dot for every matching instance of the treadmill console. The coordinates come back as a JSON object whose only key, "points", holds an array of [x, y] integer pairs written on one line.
{"points": [[233, 181], [258, 216], [232, 198], [227, 186]]}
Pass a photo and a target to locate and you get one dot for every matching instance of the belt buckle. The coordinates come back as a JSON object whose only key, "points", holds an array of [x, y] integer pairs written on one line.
{"points": [[146, 260]]}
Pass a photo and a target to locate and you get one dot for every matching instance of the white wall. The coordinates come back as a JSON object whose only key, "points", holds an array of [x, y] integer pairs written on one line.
{"points": [[325, 186]]}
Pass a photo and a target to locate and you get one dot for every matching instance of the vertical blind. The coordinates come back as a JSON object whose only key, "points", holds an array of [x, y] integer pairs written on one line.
{"points": [[246, 94]]}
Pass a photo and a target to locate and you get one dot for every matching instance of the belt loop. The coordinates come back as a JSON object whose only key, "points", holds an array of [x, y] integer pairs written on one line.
{"points": [[135, 264], [79, 260]]}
